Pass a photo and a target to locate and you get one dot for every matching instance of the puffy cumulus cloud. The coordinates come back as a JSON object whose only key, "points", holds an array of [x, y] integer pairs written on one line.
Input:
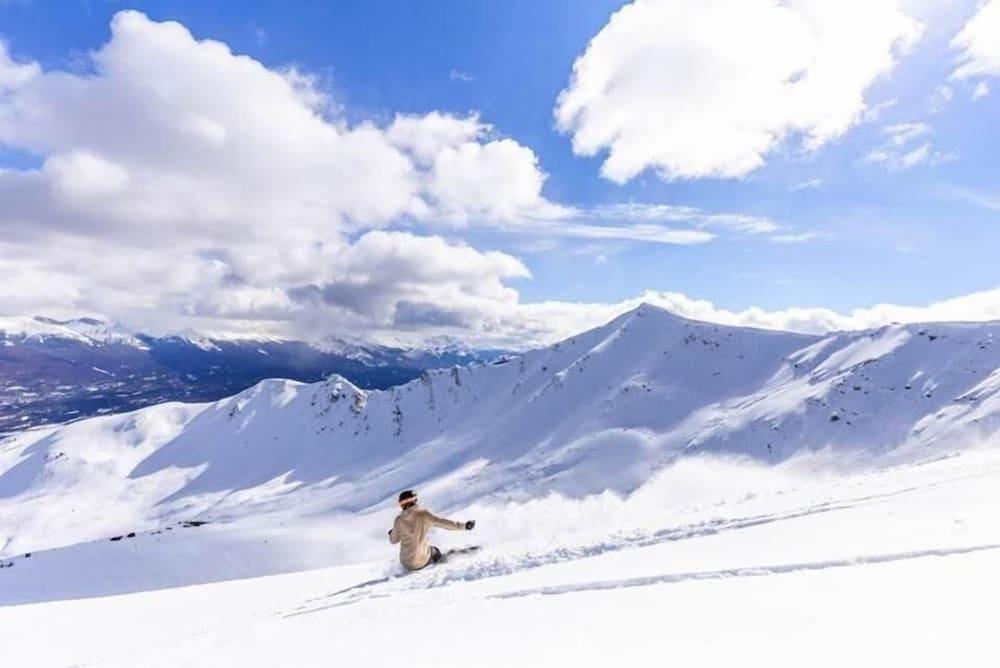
{"points": [[13, 73], [979, 306], [978, 44], [185, 130], [189, 137], [386, 281], [182, 185], [180, 180], [470, 174], [709, 89], [396, 279]]}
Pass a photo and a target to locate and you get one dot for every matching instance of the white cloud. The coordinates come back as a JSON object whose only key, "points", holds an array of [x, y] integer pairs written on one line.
{"points": [[183, 185], [459, 75], [875, 111], [13, 73], [709, 89], [979, 43], [904, 149], [799, 238], [424, 137], [940, 98], [904, 133], [643, 222], [645, 232], [209, 186], [647, 222], [980, 306], [981, 90], [470, 174], [661, 213], [810, 184], [81, 175], [191, 122], [396, 279]]}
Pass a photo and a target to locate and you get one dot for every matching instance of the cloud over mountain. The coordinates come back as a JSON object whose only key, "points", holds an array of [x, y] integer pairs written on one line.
{"points": [[247, 177]]}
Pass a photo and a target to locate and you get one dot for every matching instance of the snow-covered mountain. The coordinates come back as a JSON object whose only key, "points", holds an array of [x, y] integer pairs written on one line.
{"points": [[605, 410], [57, 370], [429, 354], [84, 330], [746, 484]]}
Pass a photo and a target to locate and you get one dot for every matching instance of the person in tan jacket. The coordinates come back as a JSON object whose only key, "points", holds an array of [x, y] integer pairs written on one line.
{"points": [[411, 528]]}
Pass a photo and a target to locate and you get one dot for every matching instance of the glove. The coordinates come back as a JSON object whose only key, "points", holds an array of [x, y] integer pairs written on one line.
{"points": [[470, 525]]}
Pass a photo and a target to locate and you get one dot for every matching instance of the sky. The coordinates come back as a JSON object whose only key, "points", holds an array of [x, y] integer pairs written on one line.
{"points": [[504, 172]]}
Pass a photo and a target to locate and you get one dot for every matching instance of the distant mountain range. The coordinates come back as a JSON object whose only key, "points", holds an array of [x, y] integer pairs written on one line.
{"points": [[58, 370]]}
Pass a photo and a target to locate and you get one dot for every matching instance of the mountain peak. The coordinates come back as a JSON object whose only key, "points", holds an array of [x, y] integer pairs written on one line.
{"points": [[657, 314]]}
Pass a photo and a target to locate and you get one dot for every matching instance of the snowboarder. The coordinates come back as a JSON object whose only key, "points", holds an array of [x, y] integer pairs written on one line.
{"points": [[411, 528]]}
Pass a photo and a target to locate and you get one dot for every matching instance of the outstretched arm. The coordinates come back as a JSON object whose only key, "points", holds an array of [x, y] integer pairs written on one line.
{"points": [[446, 524]]}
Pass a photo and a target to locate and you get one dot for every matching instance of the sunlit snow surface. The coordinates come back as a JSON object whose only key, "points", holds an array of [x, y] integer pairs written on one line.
{"points": [[717, 562], [653, 492]]}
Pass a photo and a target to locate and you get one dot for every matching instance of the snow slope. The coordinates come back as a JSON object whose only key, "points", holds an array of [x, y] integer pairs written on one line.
{"points": [[651, 454], [715, 562], [601, 411]]}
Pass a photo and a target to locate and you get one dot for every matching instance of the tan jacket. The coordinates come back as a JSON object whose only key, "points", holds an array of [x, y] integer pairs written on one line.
{"points": [[410, 530]]}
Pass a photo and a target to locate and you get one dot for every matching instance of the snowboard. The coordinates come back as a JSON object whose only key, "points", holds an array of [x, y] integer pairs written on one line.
{"points": [[457, 552]]}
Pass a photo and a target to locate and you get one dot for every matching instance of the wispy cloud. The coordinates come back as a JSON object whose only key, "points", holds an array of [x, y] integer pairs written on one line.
{"points": [[650, 223], [903, 133], [979, 55], [811, 184], [874, 113], [459, 75], [940, 98], [794, 238], [668, 213], [906, 146], [259, 34], [981, 200], [642, 232]]}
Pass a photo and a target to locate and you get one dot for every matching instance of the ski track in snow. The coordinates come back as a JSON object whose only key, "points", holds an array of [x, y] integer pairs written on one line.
{"points": [[755, 571], [509, 564]]}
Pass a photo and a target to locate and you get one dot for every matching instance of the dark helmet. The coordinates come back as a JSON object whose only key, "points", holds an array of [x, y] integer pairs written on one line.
{"points": [[407, 497]]}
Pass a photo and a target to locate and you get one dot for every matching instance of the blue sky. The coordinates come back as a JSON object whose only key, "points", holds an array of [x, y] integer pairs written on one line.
{"points": [[857, 230]]}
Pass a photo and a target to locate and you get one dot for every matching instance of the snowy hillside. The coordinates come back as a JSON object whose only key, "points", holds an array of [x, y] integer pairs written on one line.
{"points": [[588, 460], [604, 410], [716, 564]]}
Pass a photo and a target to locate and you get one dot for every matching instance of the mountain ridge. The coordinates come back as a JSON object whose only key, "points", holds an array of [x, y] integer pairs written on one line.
{"points": [[605, 410]]}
